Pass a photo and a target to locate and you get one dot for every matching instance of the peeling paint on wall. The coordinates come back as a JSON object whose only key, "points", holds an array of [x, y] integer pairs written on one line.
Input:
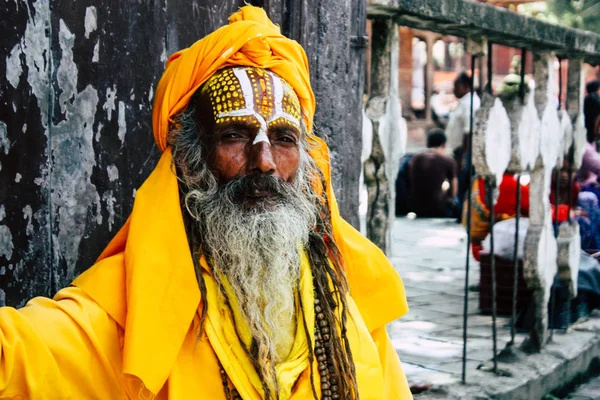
{"points": [[110, 201], [98, 132], [121, 122], [27, 216], [6, 243], [96, 54], [13, 66], [109, 105], [34, 45], [113, 173], [4, 142], [90, 21], [73, 193]]}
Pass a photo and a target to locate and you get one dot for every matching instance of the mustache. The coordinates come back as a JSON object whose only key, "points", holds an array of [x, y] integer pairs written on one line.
{"points": [[256, 186]]}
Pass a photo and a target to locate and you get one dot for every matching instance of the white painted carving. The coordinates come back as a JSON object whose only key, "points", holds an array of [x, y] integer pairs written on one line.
{"points": [[491, 139], [579, 140], [566, 128], [529, 135]]}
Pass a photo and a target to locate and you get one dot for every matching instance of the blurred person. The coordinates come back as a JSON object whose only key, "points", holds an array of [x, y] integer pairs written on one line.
{"points": [[433, 182], [458, 124], [593, 87], [590, 164]]}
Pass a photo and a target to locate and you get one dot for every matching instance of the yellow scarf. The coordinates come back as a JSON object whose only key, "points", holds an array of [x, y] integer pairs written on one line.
{"points": [[223, 336]]}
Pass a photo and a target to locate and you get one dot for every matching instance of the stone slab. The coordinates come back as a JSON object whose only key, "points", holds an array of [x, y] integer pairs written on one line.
{"points": [[467, 18]]}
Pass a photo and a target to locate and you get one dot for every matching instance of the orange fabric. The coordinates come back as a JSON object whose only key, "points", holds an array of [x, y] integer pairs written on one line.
{"points": [[145, 279]]}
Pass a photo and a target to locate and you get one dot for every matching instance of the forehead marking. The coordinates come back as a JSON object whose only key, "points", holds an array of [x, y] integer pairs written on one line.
{"points": [[248, 111], [278, 93]]}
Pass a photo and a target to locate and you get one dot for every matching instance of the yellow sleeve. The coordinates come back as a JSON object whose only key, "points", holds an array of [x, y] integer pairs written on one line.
{"points": [[396, 385], [66, 348]]}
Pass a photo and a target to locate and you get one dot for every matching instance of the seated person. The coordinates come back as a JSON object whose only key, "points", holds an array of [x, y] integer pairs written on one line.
{"points": [[590, 164], [505, 207], [433, 184]]}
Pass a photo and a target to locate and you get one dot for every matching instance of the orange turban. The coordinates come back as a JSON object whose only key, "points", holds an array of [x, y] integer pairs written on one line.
{"points": [[145, 278], [250, 40]]}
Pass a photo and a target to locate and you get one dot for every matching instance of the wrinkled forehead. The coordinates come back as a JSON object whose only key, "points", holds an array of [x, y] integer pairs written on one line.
{"points": [[254, 95]]}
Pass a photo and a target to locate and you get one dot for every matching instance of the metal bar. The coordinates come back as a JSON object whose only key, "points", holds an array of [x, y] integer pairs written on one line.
{"points": [[556, 201], [560, 83], [553, 291], [570, 162], [490, 67], [489, 189], [469, 201], [515, 264], [523, 65], [569, 202]]}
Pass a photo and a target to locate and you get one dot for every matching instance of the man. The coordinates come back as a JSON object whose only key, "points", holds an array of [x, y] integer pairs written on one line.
{"points": [[593, 87], [433, 183], [458, 124], [235, 276]]}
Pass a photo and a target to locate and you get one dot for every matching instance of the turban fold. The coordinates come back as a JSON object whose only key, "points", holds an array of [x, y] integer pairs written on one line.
{"points": [[145, 278]]}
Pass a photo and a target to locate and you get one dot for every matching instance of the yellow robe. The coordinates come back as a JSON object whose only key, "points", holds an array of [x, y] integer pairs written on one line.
{"points": [[127, 328]]}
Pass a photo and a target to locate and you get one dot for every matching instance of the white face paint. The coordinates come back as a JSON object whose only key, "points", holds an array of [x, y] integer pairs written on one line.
{"points": [[278, 94], [277, 112], [249, 110]]}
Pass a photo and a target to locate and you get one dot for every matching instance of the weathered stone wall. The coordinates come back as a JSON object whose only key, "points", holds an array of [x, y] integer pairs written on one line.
{"points": [[76, 89]]}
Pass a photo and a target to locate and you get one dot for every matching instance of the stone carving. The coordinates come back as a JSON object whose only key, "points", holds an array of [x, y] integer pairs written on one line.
{"points": [[540, 263], [389, 132], [575, 95], [569, 241], [524, 131], [569, 251], [378, 188], [491, 138]]}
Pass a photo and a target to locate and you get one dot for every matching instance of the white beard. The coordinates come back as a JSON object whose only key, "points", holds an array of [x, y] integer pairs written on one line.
{"points": [[256, 250]]}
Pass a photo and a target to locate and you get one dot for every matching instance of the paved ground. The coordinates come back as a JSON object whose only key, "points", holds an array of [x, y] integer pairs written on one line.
{"points": [[430, 256]]}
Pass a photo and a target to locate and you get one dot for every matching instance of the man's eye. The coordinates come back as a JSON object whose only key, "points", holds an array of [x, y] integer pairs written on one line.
{"points": [[232, 135], [286, 139]]}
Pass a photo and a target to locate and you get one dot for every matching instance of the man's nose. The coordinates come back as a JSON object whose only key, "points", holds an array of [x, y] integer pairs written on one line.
{"points": [[261, 159]]}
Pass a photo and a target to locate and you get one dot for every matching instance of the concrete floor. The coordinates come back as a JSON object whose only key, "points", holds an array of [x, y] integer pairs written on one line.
{"points": [[429, 255]]}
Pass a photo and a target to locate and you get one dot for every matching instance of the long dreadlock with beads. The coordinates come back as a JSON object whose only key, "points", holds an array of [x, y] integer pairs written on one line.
{"points": [[190, 144]]}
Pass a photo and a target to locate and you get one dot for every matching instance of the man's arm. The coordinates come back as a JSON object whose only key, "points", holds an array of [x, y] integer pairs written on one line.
{"points": [[67, 348], [454, 187]]}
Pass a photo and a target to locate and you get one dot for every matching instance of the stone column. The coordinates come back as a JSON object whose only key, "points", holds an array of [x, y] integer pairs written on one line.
{"points": [[389, 131], [572, 125], [430, 39], [540, 263], [405, 68]]}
